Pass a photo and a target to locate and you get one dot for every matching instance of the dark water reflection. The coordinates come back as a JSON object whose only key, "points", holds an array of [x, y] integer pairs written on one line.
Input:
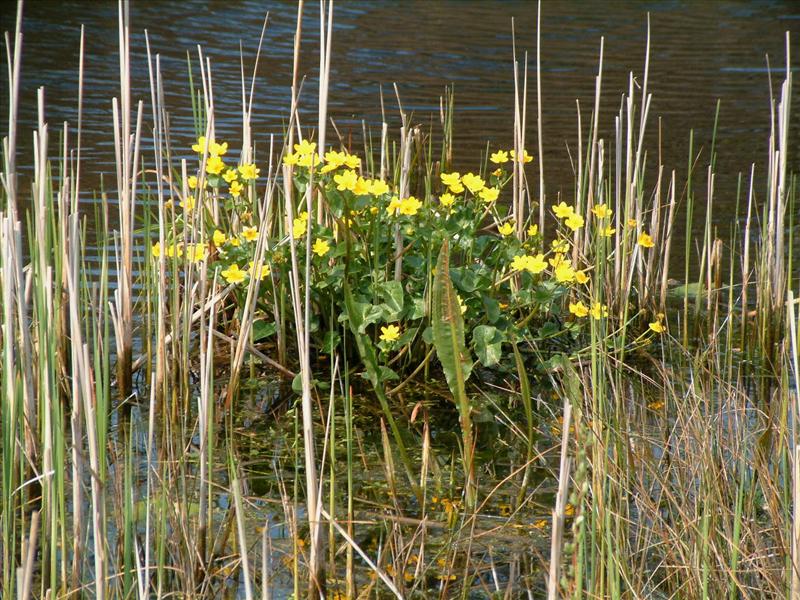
{"points": [[701, 51]]}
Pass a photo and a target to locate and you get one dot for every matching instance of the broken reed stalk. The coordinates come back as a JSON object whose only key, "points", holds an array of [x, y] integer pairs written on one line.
{"points": [[127, 159], [302, 321], [560, 507], [540, 157], [519, 186]]}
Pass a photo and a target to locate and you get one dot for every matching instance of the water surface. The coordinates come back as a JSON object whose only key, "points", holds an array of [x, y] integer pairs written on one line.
{"points": [[701, 52]]}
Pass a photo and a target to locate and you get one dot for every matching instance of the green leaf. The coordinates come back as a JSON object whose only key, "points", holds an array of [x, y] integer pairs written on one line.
{"points": [[417, 309], [488, 343], [492, 308], [263, 329], [391, 292], [448, 339], [374, 372], [331, 340]]}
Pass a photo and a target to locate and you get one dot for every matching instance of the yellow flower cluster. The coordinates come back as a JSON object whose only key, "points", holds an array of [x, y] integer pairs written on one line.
{"points": [[571, 219], [457, 183], [234, 274], [580, 310], [235, 177], [531, 263], [304, 155], [407, 206], [194, 252], [334, 160], [501, 157], [350, 181], [300, 225], [214, 149]]}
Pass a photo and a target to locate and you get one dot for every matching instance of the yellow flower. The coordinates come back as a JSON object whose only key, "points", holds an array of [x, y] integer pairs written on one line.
{"points": [[175, 250], [200, 146], [456, 188], [320, 247], [581, 277], [505, 229], [601, 211], [390, 333], [609, 231], [574, 222], [598, 310], [447, 200], [214, 165], [564, 272], [579, 309], [378, 187], [250, 233], [631, 223], [657, 327], [526, 158], [410, 206], [234, 274], [450, 179], [291, 159], [532, 264], [299, 227], [351, 161], [533, 230], [230, 175], [497, 172], [218, 237], [333, 160], [196, 252], [305, 147], [557, 259], [234, 241], [307, 160], [461, 304], [235, 189], [560, 246], [519, 263], [155, 251], [334, 157], [474, 183], [264, 270], [645, 241], [191, 181], [563, 211], [215, 149], [394, 205], [361, 188], [346, 180], [537, 264], [489, 194], [249, 171], [187, 203], [499, 157]]}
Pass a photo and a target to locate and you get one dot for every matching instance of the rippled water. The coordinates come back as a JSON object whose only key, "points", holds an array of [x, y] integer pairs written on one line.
{"points": [[701, 51]]}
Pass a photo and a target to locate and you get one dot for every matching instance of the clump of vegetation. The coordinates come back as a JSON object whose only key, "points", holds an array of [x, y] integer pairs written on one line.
{"points": [[473, 390]]}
